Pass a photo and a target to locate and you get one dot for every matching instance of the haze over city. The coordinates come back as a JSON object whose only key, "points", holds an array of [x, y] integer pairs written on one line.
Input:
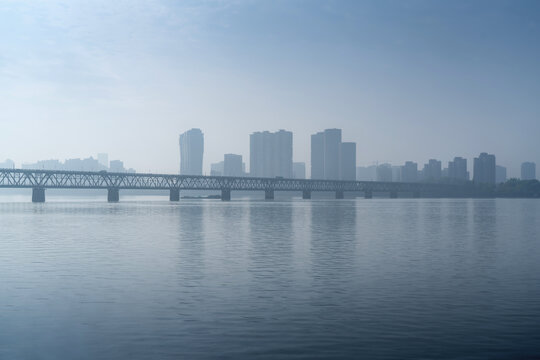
{"points": [[269, 179], [404, 80]]}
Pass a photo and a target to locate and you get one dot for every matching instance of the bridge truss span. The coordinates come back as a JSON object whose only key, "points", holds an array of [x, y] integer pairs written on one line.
{"points": [[52, 179]]}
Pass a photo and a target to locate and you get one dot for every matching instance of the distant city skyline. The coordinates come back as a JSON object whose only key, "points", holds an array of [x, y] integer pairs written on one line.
{"points": [[206, 168], [276, 159], [101, 162]]}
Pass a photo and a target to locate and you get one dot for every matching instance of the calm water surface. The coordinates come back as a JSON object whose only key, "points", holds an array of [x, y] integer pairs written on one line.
{"points": [[248, 279]]}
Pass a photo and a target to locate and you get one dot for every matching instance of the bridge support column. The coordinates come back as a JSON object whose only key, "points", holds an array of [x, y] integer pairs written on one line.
{"points": [[393, 194], [416, 194], [38, 195], [339, 194], [225, 194], [306, 194], [269, 194], [368, 194], [113, 195], [174, 195]]}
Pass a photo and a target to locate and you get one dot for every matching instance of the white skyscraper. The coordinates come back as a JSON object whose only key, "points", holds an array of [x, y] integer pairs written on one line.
{"points": [[191, 152], [103, 159], [332, 149], [232, 165], [270, 154], [347, 161]]}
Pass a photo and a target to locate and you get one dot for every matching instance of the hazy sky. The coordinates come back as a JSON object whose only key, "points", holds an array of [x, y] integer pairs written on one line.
{"points": [[406, 80]]}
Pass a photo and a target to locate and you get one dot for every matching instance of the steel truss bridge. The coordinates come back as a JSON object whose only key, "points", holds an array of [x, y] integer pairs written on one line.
{"points": [[39, 180]]}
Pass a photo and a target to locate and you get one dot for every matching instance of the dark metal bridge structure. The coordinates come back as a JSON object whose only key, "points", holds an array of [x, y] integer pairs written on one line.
{"points": [[39, 180]]}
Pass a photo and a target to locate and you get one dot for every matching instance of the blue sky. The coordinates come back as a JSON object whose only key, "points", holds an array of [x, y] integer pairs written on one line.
{"points": [[406, 80]]}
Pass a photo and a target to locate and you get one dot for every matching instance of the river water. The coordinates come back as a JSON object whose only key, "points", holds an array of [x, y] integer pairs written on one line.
{"points": [[249, 279]]}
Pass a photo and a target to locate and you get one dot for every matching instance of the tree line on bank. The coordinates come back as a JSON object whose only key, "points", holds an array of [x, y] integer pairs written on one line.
{"points": [[513, 188], [518, 188]]}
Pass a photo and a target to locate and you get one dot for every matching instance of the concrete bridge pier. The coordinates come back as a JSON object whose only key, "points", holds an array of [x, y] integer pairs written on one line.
{"points": [[269, 194], [339, 194], [113, 194], [225, 194], [174, 194], [368, 194], [306, 194], [38, 195], [393, 194]]}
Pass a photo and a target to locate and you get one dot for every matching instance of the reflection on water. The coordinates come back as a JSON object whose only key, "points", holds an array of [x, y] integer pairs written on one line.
{"points": [[332, 223], [380, 278]]}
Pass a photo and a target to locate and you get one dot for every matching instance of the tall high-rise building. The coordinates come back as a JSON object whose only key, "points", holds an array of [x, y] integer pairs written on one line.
{"points": [[216, 169], [384, 172], [366, 173], [103, 159], [332, 147], [191, 152], [232, 165], [409, 172], [528, 171], [8, 164], [330, 158], [116, 166], [484, 169], [457, 169], [348, 161], [396, 173], [283, 154], [500, 174], [260, 145], [317, 156], [88, 164], [299, 170], [432, 170], [270, 154]]}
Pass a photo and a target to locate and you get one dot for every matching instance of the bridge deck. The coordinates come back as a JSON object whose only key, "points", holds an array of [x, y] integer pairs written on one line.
{"points": [[16, 178]]}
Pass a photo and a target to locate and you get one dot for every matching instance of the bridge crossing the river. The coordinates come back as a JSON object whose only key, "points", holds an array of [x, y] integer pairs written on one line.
{"points": [[39, 180]]}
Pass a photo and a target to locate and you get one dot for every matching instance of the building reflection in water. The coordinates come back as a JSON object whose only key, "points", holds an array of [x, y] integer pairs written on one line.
{"points": [[333, 248]]}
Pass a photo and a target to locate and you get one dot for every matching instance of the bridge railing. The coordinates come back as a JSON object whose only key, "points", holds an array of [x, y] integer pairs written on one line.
{"points": [[62, 179]]}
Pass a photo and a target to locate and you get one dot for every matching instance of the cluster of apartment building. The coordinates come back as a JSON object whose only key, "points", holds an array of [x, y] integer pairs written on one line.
{"points": [[332, 159], [485, 171], [410, 172], [88, 164], [271, 155]]}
